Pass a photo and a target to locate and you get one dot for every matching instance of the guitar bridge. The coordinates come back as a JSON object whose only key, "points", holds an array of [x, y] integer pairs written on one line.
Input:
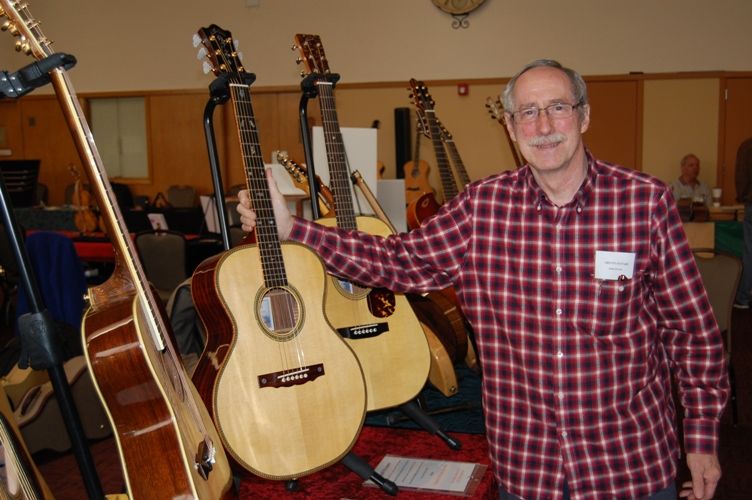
{"points": [[288, 378], [363, 331]]}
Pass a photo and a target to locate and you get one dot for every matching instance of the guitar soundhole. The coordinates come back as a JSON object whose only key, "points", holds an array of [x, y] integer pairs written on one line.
{"points": [[356, 292], [279, 311]]}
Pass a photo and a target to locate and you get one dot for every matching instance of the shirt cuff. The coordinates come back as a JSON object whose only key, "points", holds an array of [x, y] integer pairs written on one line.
{"points": [[701, 435]]}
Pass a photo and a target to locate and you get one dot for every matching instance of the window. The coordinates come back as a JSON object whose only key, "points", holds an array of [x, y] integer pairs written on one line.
{"points": [[119, 128]]}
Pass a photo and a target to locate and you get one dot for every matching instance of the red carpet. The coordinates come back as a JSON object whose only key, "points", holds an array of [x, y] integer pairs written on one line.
{"points": [[374, 442]]}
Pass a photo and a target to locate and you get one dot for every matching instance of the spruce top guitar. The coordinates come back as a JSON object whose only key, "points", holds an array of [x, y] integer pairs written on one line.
{"points": [[379, 325], [416, 172], [164, 434], [290, 396], [496, 110]]}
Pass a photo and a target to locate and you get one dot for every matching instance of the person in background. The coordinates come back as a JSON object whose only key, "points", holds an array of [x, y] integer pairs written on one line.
{"points": [[688, 186], [744, 195], [584, 297]]}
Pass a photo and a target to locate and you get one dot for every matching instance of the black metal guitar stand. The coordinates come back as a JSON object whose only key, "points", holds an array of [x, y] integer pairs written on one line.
{"points": [[40, 339], [308, 86]]}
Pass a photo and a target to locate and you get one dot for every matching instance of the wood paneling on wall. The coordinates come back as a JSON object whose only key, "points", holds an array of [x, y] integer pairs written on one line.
{"points": [[640, 121]]}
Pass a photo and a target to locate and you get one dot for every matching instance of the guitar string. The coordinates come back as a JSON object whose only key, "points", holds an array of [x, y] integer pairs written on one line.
{"points": [[272, 260]]}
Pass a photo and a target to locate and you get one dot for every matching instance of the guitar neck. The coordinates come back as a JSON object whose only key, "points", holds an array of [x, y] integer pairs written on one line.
{"points": [[448, 183], [339, 178], [457, 161], [267, 237]]}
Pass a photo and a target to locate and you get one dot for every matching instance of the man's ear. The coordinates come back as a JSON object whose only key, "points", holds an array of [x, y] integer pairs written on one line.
{"points": [[509, 124], [585, 118]]}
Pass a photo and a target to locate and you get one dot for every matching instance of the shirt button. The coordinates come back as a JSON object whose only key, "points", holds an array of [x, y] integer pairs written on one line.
{"points": [[561, 395], [563, 434], [579, 210], [559, 354], [559, 311], [558, 269]]}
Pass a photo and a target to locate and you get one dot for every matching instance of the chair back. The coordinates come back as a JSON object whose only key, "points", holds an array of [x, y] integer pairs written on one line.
{"points": [[164, 255], [720, 273], [181, 196]]}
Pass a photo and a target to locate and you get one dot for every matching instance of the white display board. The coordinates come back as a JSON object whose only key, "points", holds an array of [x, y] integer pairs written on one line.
{"points": [[360, 148]]}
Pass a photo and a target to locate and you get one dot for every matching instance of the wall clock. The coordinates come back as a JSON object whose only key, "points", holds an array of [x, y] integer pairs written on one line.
{"points": [[459, 10]]}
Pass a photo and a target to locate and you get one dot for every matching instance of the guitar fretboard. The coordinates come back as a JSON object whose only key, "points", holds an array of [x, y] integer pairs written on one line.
{"points": [[267, 238], [339, 178]]}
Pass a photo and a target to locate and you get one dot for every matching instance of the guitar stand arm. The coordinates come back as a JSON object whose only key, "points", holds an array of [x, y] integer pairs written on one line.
{"points": [[415, 412], [33, 75], [365, 471]]}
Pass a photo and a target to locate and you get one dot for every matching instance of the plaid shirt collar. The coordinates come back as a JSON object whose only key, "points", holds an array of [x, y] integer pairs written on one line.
{"points": [[581, 197]]}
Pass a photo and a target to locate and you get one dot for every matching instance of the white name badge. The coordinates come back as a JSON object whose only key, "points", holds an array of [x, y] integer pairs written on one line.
{"points": [[614, 265]]}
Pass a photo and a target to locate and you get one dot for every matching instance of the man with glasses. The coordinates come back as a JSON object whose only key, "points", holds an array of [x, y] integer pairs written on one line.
{"points": [[582, 293]]}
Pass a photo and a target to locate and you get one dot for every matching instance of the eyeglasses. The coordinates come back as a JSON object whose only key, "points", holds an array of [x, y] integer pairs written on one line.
{"points": [[557, 111]]}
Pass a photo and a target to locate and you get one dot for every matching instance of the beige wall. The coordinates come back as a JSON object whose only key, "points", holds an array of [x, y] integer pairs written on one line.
{"points": [[680, 117], [146, 44]]}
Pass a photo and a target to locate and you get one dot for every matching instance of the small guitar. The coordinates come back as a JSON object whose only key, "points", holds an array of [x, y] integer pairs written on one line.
{"points": [[290, 397], [496, 110], [378, 325], [167, 443], [416, 172], [85, 218]]}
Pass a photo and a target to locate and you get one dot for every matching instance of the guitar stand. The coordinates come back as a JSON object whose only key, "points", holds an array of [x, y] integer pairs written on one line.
{"points": [[423, 418]]}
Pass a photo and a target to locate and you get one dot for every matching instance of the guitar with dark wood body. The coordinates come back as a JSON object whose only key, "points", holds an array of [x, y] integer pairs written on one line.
{"points": [[167, 443], [379, 325], [289, 398]]}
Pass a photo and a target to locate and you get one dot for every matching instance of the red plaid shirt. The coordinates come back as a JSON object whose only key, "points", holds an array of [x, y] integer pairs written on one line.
{"points": [[576, 381]]}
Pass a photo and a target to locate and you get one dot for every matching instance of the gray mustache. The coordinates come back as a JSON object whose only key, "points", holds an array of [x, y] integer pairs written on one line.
{"points": [[547, 139]]}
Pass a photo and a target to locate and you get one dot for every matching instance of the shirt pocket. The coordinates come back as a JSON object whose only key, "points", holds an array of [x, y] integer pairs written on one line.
{"points": [[613, 306]]}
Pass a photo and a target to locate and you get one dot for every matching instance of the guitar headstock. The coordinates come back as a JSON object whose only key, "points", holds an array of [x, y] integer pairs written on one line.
{"points": [[423, 102], [218, 50], [20, 23], [495, 109], [297, 172], [311, 55]]}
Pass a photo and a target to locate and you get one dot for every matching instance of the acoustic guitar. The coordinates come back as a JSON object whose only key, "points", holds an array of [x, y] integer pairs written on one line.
{"points": [[20, 478], [496, 110], [424, 106], [379, 325], [167, 443], [85, 219], [416, 172], [290, 396], [439, 320]]}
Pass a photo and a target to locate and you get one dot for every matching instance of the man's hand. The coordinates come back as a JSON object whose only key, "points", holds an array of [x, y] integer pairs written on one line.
{"points": [[281, 211], [706, 472]]}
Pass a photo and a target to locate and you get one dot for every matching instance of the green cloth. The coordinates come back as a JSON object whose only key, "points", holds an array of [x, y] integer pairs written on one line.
{"points": [[729, 237]]}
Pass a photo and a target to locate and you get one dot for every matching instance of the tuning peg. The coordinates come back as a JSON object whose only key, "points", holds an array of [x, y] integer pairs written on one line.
{"points": [[298, 60], [201, 53], [23, 46], [7, 26], [240, 56], [196, 40], [236, 44], [207, 67], [294, 47]]}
